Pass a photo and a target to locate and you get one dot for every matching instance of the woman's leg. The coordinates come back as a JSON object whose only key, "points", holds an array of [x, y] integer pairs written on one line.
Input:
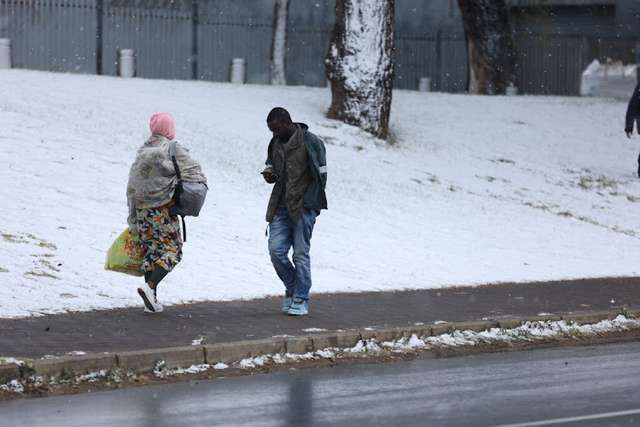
{"points": [[162, 243], [156, 276]]}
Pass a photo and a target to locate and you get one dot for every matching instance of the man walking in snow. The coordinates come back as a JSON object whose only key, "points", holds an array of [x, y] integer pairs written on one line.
{"points": [[296, 165], [633, 115]]}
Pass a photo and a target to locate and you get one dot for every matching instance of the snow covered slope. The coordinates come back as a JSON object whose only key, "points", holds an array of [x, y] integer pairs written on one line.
{"points": [[475, 190]]}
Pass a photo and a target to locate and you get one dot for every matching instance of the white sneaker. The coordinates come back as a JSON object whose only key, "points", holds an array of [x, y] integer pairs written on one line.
{"points": [[159, 309], [148, 296]]}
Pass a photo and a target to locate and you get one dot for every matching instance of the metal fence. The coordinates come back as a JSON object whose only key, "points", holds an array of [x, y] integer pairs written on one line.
{"points": [[442, 58], [173, 39], [196, 39], [55, 35]]}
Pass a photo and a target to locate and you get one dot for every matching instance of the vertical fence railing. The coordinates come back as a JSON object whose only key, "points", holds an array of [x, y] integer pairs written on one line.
{"points": [[194, 40], [99, 34], [637, 52]]}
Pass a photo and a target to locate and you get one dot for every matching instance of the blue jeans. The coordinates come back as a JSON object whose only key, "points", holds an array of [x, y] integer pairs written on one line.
{"points": [[284, 233]]}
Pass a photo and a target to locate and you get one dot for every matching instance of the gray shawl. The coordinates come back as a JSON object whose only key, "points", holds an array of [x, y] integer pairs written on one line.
{"points": [[152, 178]]}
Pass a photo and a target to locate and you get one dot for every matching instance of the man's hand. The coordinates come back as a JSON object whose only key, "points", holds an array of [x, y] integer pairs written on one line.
{"points": [[269, 175]]}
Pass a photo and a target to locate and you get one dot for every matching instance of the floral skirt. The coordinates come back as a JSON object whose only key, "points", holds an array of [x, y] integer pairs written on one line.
{"points": [[159, 237]]}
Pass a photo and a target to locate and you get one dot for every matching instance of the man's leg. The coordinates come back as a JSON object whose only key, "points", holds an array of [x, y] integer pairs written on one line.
{"points": [[302, 232], [280, 241]]}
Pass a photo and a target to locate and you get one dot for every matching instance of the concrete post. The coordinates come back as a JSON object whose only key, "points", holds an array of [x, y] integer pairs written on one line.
{"points": [[238, 70], [5, 53], [126, 63], [511, 90], [424, 84]]}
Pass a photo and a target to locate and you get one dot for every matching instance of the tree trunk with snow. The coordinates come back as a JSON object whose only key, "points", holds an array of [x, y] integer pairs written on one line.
{"points": [[359, 64], [490, 46], [279, 43]]}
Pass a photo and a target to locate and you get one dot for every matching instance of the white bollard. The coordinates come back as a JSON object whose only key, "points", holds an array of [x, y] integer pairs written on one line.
{"points": [[5, 53], [238, 67], [127, 66], [424, 84], [511, 90]]}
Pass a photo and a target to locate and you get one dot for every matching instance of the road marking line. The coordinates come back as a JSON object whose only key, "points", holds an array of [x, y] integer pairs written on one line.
{"points": [[572, 419]]}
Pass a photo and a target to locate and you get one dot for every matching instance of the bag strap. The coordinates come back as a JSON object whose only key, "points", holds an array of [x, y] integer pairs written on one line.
{"points": [[172, 155]]}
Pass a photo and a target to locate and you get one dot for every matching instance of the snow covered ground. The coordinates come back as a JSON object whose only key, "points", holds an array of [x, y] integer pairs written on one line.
{"points": [[475, 190]]}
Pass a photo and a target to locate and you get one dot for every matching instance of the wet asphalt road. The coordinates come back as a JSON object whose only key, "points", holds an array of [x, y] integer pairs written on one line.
{"points": [[482, 390]]}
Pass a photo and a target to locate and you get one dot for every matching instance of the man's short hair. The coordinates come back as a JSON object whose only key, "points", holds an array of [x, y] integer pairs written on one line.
{"points": [[279, 114]]}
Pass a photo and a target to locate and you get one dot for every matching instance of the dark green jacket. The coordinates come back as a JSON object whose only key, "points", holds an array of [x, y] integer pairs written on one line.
{"points": [[314, 196]]}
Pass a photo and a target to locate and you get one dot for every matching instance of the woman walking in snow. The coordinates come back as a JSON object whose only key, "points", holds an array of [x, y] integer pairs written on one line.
{"points": [[150, 196]]}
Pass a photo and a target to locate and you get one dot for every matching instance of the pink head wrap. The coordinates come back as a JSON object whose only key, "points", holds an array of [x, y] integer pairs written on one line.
{"points": [[163, 124]]}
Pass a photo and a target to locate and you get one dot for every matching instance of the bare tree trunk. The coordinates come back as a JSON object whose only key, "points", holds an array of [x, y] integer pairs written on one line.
{"points": [[279, 42], [359, 64], [490, 46]]}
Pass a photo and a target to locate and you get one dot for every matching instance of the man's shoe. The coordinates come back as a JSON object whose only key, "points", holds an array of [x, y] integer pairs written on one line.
{"points": [[286, 303], [299, 307], [148, 296]]}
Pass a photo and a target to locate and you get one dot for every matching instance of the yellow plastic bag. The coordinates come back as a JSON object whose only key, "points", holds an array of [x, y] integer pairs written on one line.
{"points": [[125, 255]]}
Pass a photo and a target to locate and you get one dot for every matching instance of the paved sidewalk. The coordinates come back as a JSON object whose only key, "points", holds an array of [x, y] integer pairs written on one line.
{"points": [[131, 329]]}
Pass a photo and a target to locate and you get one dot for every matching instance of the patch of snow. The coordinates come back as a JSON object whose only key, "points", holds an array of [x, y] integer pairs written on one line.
{"points": [[326, 353], [364, 346], [198, 341], [194, 369], [161, 371], [220, 366], [92, 376], [405, 344], [314, 330], [11, 361], [13, 386], [253, 362], [279, 358], [296, 357], [454, 186]]}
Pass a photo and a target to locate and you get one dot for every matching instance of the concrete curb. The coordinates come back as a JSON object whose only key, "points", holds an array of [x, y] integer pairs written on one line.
{"points": [[143, 361]]}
